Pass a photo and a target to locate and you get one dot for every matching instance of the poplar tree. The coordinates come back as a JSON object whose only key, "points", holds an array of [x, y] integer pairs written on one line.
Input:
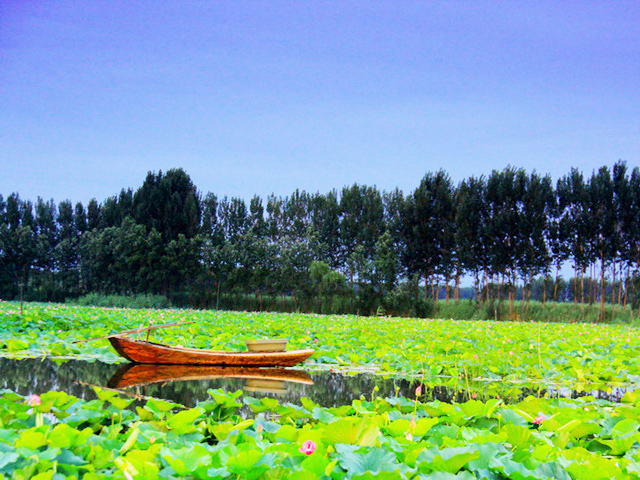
{"points": [[428, 216], [470, 231], [604, 234]]}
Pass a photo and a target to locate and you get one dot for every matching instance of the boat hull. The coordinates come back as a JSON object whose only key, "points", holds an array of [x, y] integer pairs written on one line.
{"points": [[138, 351]]}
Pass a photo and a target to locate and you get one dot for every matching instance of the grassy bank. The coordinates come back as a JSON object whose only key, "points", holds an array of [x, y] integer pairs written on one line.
{"points": [[534, 311]]}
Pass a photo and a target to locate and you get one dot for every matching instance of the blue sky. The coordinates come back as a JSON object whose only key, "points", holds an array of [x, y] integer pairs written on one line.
{"points": [[266, 97]]}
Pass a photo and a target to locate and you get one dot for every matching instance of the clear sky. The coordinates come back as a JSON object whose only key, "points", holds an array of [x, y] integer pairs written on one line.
{"points": [[260, 97]]}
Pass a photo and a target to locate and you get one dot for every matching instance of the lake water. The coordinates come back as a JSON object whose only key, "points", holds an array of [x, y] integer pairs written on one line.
{"points": [[188, 385]]}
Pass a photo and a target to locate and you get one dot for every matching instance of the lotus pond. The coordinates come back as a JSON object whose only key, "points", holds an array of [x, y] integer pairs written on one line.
{"points": [[494, 428]]}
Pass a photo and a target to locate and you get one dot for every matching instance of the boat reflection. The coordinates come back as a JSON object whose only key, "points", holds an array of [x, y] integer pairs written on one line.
{"points": [[264, 380]]}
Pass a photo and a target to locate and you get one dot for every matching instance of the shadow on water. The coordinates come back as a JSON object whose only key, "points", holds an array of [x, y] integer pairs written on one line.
{"points": [[189, 384]]}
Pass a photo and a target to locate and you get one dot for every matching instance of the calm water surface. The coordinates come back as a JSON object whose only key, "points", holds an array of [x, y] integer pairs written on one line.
{"points": [[188, 385]]}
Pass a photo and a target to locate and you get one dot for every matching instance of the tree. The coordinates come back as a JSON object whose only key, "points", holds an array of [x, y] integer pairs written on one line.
{"points": [[325, 220], [604, 237], [66, 251], [505, 202], [574, 223], [386, 263], [361, 223], [537, 209], [627, 224], [470, 233], [19, 244], [46, 239], [428, 219], [80, 219], [93, 215], [168, 203]]}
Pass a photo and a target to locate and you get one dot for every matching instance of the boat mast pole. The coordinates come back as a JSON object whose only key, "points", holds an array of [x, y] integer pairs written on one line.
{"points": [[134, 330]]}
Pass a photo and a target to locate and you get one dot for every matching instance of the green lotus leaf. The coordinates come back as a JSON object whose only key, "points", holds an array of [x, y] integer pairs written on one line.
{"points": [[518, 436], [159, 406], [7, 458], [32, 438], [183, 422], [625, 428], [16, 345], [352, 430], [186, 460], [449, 460], [145, 462], [618, 446], [103, 394], [374, 461], [64, 436]]}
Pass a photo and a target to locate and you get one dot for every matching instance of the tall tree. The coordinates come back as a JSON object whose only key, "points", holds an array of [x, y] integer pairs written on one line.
{"points": [[93, 215], [470, 234], [625, 218], [19, 244], [505, 200], [325, 219], [605, 235], [361, 223], [534, 227], [168, 203], [66, 252], [46, 237], [429, 236], [573, 195]]}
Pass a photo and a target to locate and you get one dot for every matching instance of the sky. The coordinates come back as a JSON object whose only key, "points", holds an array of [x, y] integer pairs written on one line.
{"points": [[259, 98]]}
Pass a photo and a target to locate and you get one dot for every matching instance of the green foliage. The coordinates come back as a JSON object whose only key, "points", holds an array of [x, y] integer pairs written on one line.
{"points": [[123, 301], [397, 437], [507, 231], [537, 438], [406, 299], [514, 356]]}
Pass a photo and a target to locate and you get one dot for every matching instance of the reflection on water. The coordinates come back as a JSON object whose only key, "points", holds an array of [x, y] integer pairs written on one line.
{"points": [[189, 384]]}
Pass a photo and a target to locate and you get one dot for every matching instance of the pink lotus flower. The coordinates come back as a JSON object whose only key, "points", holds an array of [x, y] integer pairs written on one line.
{"points": [[419, 390], [308, 447], [409, 436], [34, 400], [259, 429], [539, 419], [412, 423]]}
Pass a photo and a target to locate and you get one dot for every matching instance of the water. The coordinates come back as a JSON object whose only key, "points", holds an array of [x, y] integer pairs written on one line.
{"points": [[188, 385]]}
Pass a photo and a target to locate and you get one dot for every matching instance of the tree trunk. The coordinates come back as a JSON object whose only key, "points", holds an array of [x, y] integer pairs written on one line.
{"points": [[21, 295], [434, 289], [426, 285], [575, 286], [620, 288], [601, 285], [555, 286], [626, 287], [485, 293], [613, 291], [512, 294], [446, 289], [582, 287], [217, 294]]}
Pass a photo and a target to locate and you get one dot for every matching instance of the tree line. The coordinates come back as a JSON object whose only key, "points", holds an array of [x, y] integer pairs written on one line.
{"points": [[355, 250]]}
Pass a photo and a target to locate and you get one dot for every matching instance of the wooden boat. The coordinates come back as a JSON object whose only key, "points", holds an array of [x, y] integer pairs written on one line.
{"points": [[138, 375], [139, 351]]}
